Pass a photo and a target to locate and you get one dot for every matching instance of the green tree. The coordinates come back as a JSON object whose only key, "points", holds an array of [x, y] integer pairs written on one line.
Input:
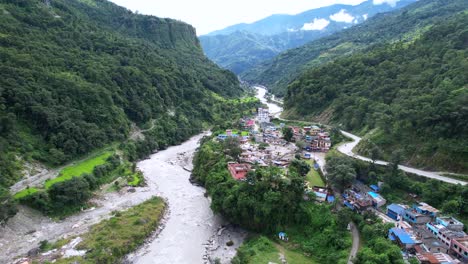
{"points": [[340, 172], [288, 134]]}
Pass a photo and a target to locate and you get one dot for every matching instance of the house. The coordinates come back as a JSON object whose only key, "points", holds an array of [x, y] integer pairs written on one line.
{"points": [[459, 248], [447, 236], [401, 237], [320, 194], [435, 258], [314, 130], [377, 199], [357, 201], [374, 188], [424, 208], [307, 155], [396, 211], [263, 115], [325, 144], [239, 170], [415, 218], [450, 223]]}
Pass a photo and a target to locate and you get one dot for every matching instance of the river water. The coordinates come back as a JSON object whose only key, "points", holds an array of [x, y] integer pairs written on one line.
{"points": [[190, 233]]}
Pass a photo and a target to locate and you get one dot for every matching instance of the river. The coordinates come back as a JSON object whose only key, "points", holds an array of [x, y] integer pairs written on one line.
{"points": [[190, 232]]}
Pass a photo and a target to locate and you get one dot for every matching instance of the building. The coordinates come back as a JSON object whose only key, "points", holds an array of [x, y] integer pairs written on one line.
{"points": [[459, 248], [356, 201], [377, 199], [415, 218], [396, 211], [401, 237], [435, 258], [450, 223], [424, 208], [314, 130], [239, 170], [263, 115]]}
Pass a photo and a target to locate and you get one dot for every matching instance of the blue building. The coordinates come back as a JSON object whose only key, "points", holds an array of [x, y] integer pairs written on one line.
{"points": [[396, 211], [401, 237]]}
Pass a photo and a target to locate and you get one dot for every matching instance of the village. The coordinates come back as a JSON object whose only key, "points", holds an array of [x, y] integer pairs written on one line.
{"points": [[418, 229]]}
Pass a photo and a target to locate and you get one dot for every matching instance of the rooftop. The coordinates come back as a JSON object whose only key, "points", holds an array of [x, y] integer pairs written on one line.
{"points": [[426, 207], [401, 234]]}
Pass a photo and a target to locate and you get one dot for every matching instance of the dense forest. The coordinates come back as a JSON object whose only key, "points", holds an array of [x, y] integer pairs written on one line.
{"points": [[405, 24], [76, 75], [411, 97]]}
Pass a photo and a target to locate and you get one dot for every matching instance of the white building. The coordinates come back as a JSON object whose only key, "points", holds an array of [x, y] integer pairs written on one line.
{"points": [[263, 115]]}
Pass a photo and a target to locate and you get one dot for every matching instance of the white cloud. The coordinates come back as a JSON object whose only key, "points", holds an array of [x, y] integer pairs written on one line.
{"points": [[317, 24], [389, 2], [342, 16], [365, 16], [292, 30]]}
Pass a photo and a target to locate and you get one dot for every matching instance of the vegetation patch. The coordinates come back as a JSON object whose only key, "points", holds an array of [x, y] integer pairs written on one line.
{"points": [[24, 193], [83, 167], [313, 176]]}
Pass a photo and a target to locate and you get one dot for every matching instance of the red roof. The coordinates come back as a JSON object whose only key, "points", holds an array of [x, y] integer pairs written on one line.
{"points": [[238, 170]]}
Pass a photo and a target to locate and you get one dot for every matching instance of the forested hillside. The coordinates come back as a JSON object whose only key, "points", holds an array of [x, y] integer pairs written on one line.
{"points": [[243, 46], [411, 96], [405, 24], [75, 74]]}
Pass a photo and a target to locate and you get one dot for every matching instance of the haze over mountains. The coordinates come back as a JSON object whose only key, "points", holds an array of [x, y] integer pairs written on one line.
{"points": [[242, 46]]}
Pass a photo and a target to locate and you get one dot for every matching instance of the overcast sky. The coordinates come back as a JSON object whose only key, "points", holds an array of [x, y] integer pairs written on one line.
{"points": [[210, 15]]}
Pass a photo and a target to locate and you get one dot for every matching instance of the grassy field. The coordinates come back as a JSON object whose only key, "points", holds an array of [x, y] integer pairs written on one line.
{"points": [[313, 177], [85, 166], [24, 193], [261, 249], [112, 239]]}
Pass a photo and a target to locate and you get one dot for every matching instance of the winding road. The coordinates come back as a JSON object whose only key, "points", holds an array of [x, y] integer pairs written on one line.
{"points": [[347, 149]]}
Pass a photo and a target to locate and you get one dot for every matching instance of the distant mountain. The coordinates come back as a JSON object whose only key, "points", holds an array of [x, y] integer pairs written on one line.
{"points": [[411, 97], [407, 24], [242, 46]]}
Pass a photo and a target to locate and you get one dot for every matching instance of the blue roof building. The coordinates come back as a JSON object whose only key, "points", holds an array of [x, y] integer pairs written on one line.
{"points": [[375, 188], [401, 237], [396, 211]]}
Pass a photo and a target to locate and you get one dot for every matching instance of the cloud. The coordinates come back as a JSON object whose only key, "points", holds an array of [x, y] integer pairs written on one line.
{"points": [[292, 30], [317, 24], [365, 16], [389, 2], [342, 16]]}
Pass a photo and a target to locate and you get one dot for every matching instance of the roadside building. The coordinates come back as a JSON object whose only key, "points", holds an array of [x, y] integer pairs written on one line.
{"points": [[314, 130], [450, 223], [415, 218]]}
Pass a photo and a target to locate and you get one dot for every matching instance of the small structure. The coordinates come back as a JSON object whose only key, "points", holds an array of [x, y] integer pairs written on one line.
{"points": [[374, 188], [283, 236], [239, 170], [401, 237], [424, 208], [450, 223]]}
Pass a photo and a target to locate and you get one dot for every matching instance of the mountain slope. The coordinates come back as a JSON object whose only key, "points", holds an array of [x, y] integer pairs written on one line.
{"points": [[413, 97], [75, 74], [404, 24], [241, 47]]}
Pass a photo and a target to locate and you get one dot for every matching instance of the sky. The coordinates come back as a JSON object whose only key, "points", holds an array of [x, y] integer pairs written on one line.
{"points": [[209, 15]]}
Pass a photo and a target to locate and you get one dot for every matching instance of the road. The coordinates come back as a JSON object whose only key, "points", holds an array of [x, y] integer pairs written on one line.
{"points": [[347, 149], [356, 242]]}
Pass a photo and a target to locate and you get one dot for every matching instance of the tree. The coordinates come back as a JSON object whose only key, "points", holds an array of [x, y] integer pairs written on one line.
{"points": [[288, 134], [375, 153], [300, 167], [69, 193], [7, 206], [340, 172], [232, 147]]}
